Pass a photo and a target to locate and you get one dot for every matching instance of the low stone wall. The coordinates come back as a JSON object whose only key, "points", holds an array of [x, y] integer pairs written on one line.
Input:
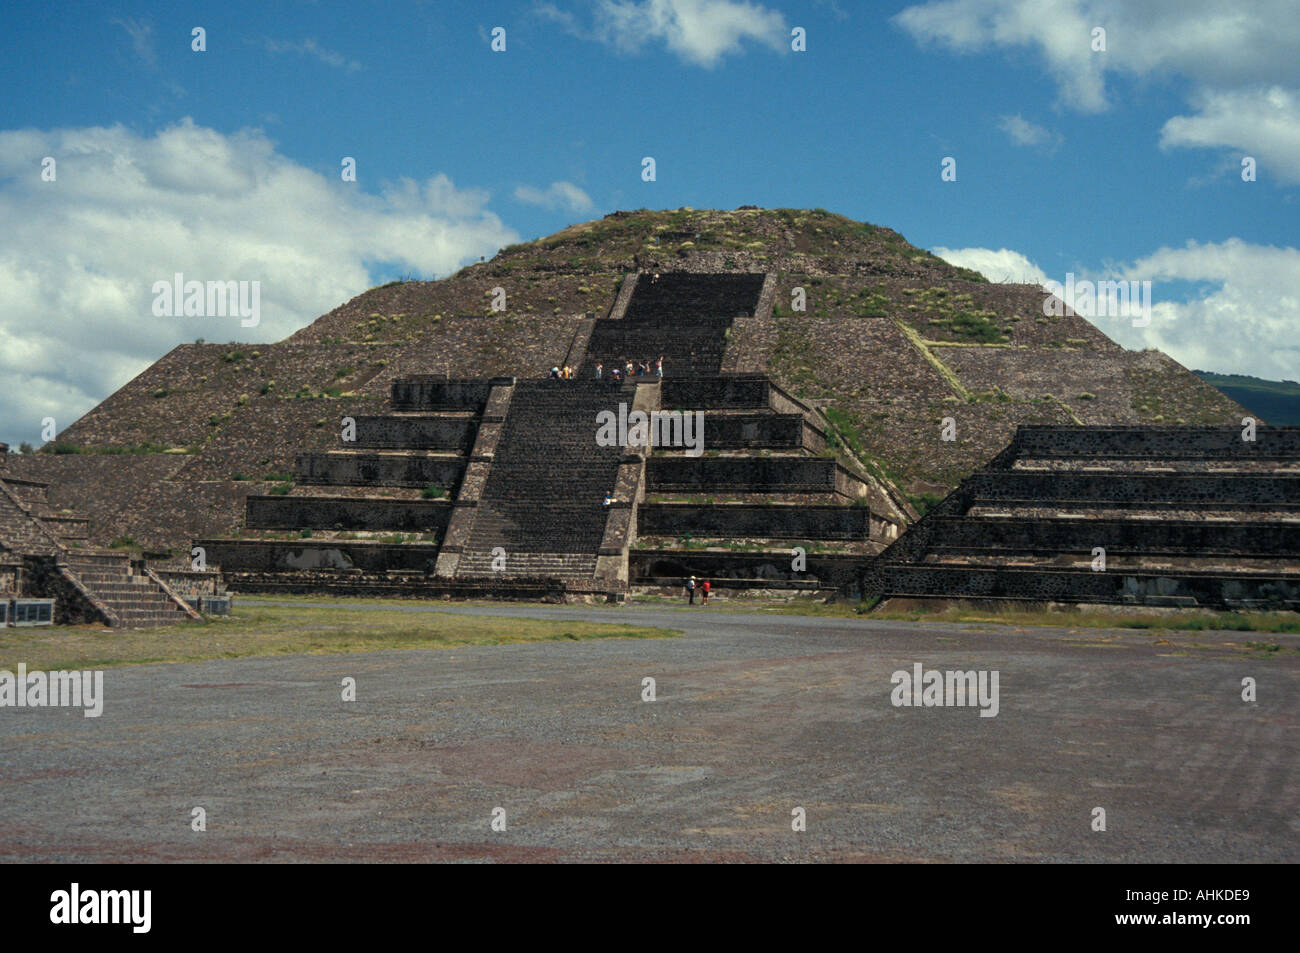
{"points": [[395, 586], [1045, 585], [1170, 442], [415, 433], [752, 474], [375, 469], [355, 513], [188, 584], [971, 534], [1133, 488], [433, 392], [758, 522], [715, 393], [773, 569], [778, 431], [263, 555], [782, 402]]}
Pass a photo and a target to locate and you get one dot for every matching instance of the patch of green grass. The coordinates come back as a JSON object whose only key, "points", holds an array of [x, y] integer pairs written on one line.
{"points": [[974, 326], [970, 274], [1012, 615], [257, 629], [1198, 621], [924, 502]]}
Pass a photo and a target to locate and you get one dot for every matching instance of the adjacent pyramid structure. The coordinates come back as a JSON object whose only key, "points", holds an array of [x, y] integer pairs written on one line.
{"points": [[1164, 516], [43, 557]]}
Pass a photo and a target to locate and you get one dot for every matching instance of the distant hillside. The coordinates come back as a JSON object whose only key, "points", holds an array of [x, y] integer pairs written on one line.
{"points": [[1278, 402]]}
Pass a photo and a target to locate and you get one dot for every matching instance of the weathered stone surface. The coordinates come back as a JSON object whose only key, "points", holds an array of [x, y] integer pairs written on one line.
{"points": [[1211, 519], [893, 345]]}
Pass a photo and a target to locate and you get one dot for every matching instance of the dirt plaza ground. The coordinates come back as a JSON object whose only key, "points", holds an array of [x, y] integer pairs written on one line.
{"points": [[754, 716]]}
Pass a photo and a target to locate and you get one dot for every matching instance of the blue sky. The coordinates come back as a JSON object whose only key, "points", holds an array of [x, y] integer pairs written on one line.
{"points": [[1115, 163]]}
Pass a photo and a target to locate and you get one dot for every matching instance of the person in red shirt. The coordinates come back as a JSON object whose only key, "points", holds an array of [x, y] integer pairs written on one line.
{"points": [[705, 587]]}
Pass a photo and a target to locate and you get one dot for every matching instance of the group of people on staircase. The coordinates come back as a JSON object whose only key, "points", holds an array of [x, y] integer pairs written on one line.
{"points": [[630, 370]]}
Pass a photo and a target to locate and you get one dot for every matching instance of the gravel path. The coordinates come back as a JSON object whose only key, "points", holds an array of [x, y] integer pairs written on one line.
{"points": [[755, 715]]}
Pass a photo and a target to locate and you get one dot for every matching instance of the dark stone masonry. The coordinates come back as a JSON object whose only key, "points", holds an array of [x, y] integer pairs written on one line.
{"points": [[410, 442], [42, 556], [531, 494], [1204, 525]]}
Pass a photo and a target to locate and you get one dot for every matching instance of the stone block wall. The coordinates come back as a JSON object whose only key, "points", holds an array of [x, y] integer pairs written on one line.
{"points": [[422, 392], [742, 521], [415, 433], [336, 513], [1210, 443], [967, 534], [755, 431], [378, 469], [774, 569], [251, 555], [1131, 488], [1220, 590], [715, 393], [742, 474], [11, 574]]}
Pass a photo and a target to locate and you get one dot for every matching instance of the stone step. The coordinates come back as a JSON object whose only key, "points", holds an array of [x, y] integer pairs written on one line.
{"points": [[548, 479]]}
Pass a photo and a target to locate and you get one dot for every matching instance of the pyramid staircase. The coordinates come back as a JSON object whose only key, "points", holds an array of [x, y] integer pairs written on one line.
{"points": [[682, 316], [542, 506]]}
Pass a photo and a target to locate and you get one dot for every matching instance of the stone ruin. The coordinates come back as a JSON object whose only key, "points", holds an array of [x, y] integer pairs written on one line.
{"points": [[48, 572], [468, 473], [1156, 516], [505, 479]]}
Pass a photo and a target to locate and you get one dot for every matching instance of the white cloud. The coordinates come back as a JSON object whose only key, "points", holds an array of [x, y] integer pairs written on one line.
{"points": [[1003, 265], [559, 195], [1022, 132], [1061, 29], [1248, 322], [309, 47], [141, 34], [549, 11], [1207, 41], [699, 31], [1239, 59], [78, 256], [1261, 122]]}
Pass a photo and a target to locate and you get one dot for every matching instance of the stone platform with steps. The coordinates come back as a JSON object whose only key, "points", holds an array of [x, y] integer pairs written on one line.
{"points": [[1163, 516], [526, 479], [42, 555]]}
